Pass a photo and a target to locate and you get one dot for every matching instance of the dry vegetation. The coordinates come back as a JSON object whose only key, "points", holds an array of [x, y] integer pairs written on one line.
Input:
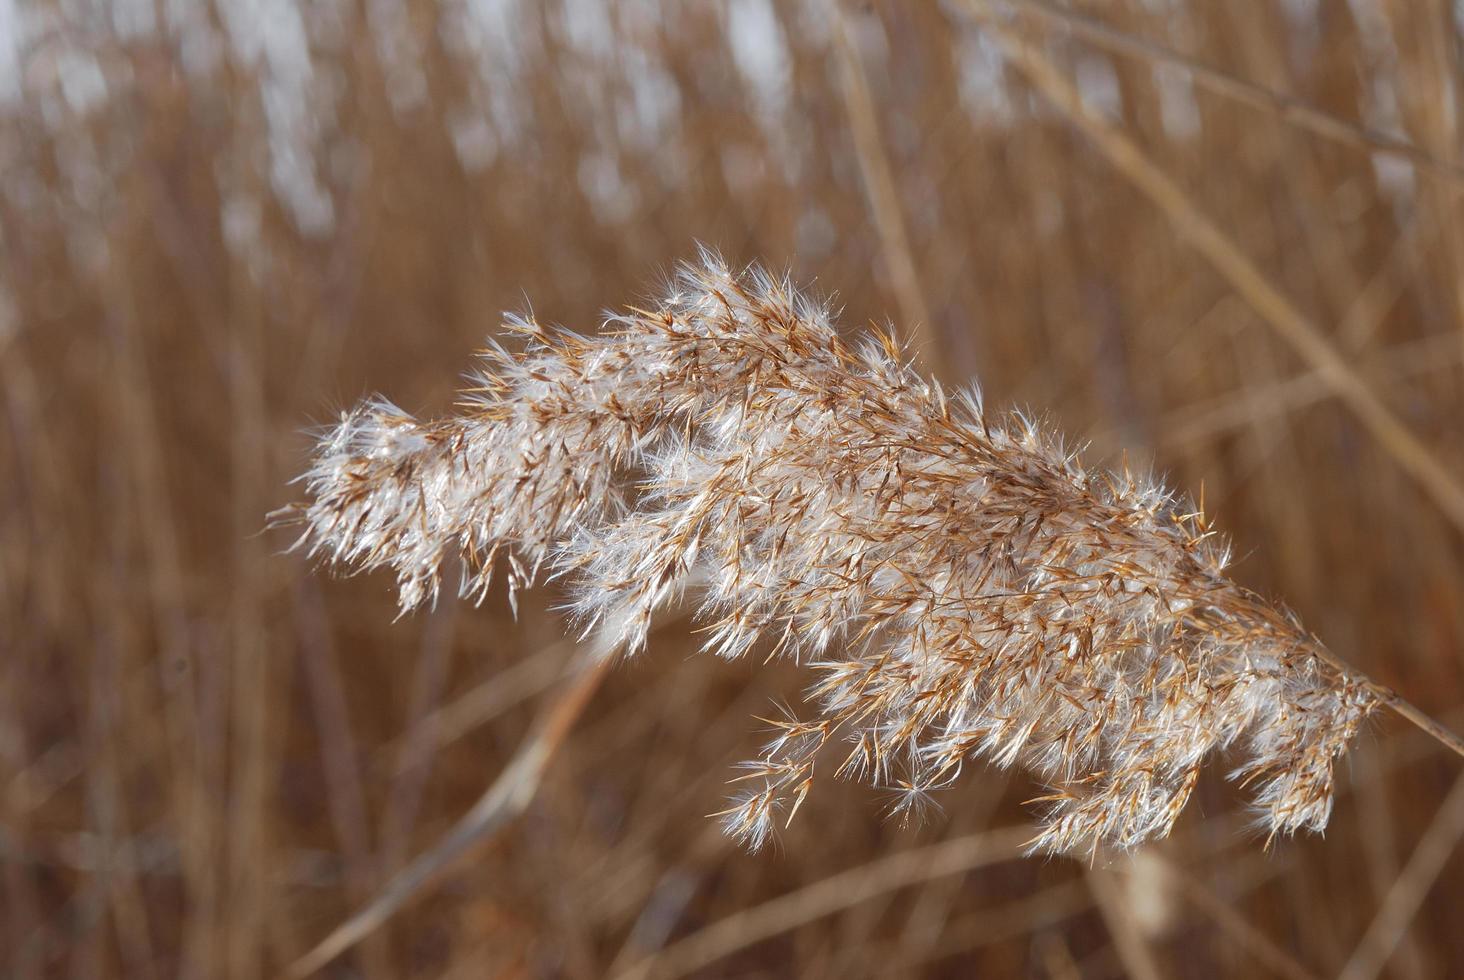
{"points": [[217, 224]]}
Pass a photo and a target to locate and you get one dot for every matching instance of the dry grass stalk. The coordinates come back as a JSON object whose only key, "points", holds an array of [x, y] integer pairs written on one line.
{"points": [[825, 897], [1390, 924], [1293, 110], [961, 584], [880, 187], [1411, 453], [509, 796]]}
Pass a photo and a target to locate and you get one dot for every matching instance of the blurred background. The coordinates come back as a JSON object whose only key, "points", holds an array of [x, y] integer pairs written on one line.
{"points": [[221, 223]]}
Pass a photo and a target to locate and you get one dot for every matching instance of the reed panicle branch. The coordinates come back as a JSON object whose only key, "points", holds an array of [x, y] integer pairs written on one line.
{"points": [[959, 582]]}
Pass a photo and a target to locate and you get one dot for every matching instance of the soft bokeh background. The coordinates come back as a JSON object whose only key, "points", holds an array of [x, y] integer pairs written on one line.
{"points": [[222, 222]]}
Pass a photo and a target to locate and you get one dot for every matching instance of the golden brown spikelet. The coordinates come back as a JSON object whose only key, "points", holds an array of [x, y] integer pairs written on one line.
{"points": [[962, 586]]}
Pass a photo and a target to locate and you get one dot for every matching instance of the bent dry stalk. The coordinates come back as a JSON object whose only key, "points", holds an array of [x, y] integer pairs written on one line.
{"points": [[959, 582]]}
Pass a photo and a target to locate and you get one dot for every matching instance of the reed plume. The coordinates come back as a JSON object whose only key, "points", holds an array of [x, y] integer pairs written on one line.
{"points": [[961, 585]]}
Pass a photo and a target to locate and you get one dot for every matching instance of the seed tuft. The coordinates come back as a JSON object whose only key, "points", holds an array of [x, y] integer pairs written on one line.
{"points": [[958, 582]]}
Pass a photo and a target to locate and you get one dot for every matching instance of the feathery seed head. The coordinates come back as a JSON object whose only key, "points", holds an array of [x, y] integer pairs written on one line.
{"points": [[960, 583]]}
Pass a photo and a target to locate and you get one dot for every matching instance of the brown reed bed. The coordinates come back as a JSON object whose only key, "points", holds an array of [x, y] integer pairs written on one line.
{"points": [[211, 757]]}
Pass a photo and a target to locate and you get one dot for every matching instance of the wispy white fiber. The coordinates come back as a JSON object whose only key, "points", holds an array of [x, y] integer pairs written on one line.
{"points": [[960, 583]]}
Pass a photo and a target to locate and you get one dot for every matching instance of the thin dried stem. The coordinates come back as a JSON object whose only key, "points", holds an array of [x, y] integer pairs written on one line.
{"points": [[879, 184], [1416, 716], [1407, 894], [1262, 948], [1288, 108], [506, 689], [1234, 410], [833, 894], [414, 764], [1410, 452], [1133, 951], [509, 795], [340, 760]]}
